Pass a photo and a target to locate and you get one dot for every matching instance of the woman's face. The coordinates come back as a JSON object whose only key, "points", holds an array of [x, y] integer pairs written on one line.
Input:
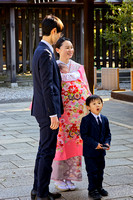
{"points": [[66, 50]]}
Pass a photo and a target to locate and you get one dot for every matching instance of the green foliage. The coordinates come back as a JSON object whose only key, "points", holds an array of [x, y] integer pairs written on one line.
{"points": [[120, 29]]}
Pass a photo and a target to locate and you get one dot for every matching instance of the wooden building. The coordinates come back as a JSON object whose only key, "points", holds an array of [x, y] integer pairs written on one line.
{"points": [[84, 20]]}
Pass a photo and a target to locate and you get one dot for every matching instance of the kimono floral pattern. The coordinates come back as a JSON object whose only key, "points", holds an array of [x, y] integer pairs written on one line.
{"points": [[67, 161], [74, 94], [70, 169]]}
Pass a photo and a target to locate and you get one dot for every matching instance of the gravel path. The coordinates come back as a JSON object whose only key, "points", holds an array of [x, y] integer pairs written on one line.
{"points": [[15, 94], [25, 93]]}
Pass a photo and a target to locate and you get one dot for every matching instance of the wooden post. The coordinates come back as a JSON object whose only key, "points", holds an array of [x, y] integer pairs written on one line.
{"points": [[82, 36], [1, 49], [30, 39], [23, 40], [95, 77], [98, 39], [89, 42], [13, 45], [17, 39], [79, 1], [37, 27], [8, 44], [131, 80]]}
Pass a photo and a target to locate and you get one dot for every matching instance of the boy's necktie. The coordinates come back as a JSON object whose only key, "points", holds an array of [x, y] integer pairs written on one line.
{"points": [[99, 123]]}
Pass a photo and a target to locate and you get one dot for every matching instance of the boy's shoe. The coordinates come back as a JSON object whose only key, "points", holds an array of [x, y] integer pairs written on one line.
{"points": [[61, 185], [70, 185], [103, 192], [33, 194], [95, 195]]}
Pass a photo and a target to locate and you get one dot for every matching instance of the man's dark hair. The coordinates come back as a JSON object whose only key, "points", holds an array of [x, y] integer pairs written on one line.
{"points": [[50, 22], [92, 98]]}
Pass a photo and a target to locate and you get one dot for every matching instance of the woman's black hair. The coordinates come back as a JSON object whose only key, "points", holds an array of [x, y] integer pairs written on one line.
{"points": [[50, 22], [60, 42], [92, 98]]}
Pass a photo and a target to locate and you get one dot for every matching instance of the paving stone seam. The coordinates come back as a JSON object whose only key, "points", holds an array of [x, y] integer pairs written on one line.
{"points": [[120, 124], [15, 110]]}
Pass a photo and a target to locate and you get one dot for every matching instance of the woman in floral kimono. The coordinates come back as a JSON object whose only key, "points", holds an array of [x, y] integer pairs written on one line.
{"points": [[75, 90]]}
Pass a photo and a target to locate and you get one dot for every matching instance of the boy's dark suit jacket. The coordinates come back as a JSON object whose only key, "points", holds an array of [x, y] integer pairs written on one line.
{"points": [[47, 99], [91, 135]]}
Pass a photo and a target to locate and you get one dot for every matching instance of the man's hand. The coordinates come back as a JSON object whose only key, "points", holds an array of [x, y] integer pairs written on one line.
{"points": [[54, 123]]}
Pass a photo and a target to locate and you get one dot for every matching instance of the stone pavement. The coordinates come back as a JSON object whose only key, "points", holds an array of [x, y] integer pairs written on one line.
{"points": [[18, 146]]}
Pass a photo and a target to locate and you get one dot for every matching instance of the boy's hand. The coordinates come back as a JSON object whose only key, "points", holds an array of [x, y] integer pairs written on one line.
{"points": [[108, 146], [99, 146]]}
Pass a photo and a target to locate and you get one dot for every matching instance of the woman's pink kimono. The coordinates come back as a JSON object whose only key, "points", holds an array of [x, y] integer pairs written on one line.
{"points": [[74, 93]]}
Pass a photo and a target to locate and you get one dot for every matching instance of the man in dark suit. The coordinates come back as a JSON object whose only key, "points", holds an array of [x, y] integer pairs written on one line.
{"points": [[46, 105], [96, 137]]}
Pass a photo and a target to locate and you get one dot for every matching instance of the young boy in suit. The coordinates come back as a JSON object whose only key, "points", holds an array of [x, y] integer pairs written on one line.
{"points": [[95, 132]]}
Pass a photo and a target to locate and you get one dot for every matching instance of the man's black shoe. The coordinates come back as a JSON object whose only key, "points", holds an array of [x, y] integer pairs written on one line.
{"points": [[95, 195], [103, 192], [45, 198], [53, 195]]}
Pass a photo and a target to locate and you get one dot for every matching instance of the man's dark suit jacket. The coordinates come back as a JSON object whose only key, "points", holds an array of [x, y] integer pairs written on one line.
{"points": [[47, 99], [91, 135]]}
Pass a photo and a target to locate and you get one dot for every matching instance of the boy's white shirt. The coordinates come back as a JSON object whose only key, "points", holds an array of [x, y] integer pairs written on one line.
{"points": [[97, 116]]}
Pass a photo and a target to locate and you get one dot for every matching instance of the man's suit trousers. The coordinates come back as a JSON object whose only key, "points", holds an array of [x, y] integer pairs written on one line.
{"points": [[45, 156]]}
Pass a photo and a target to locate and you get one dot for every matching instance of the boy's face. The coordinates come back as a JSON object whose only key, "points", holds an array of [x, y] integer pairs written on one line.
{"points": [[95, 106]]}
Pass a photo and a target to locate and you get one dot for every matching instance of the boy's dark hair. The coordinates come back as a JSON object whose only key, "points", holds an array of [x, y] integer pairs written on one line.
{"points": [[92, 98], [50, 22]]}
